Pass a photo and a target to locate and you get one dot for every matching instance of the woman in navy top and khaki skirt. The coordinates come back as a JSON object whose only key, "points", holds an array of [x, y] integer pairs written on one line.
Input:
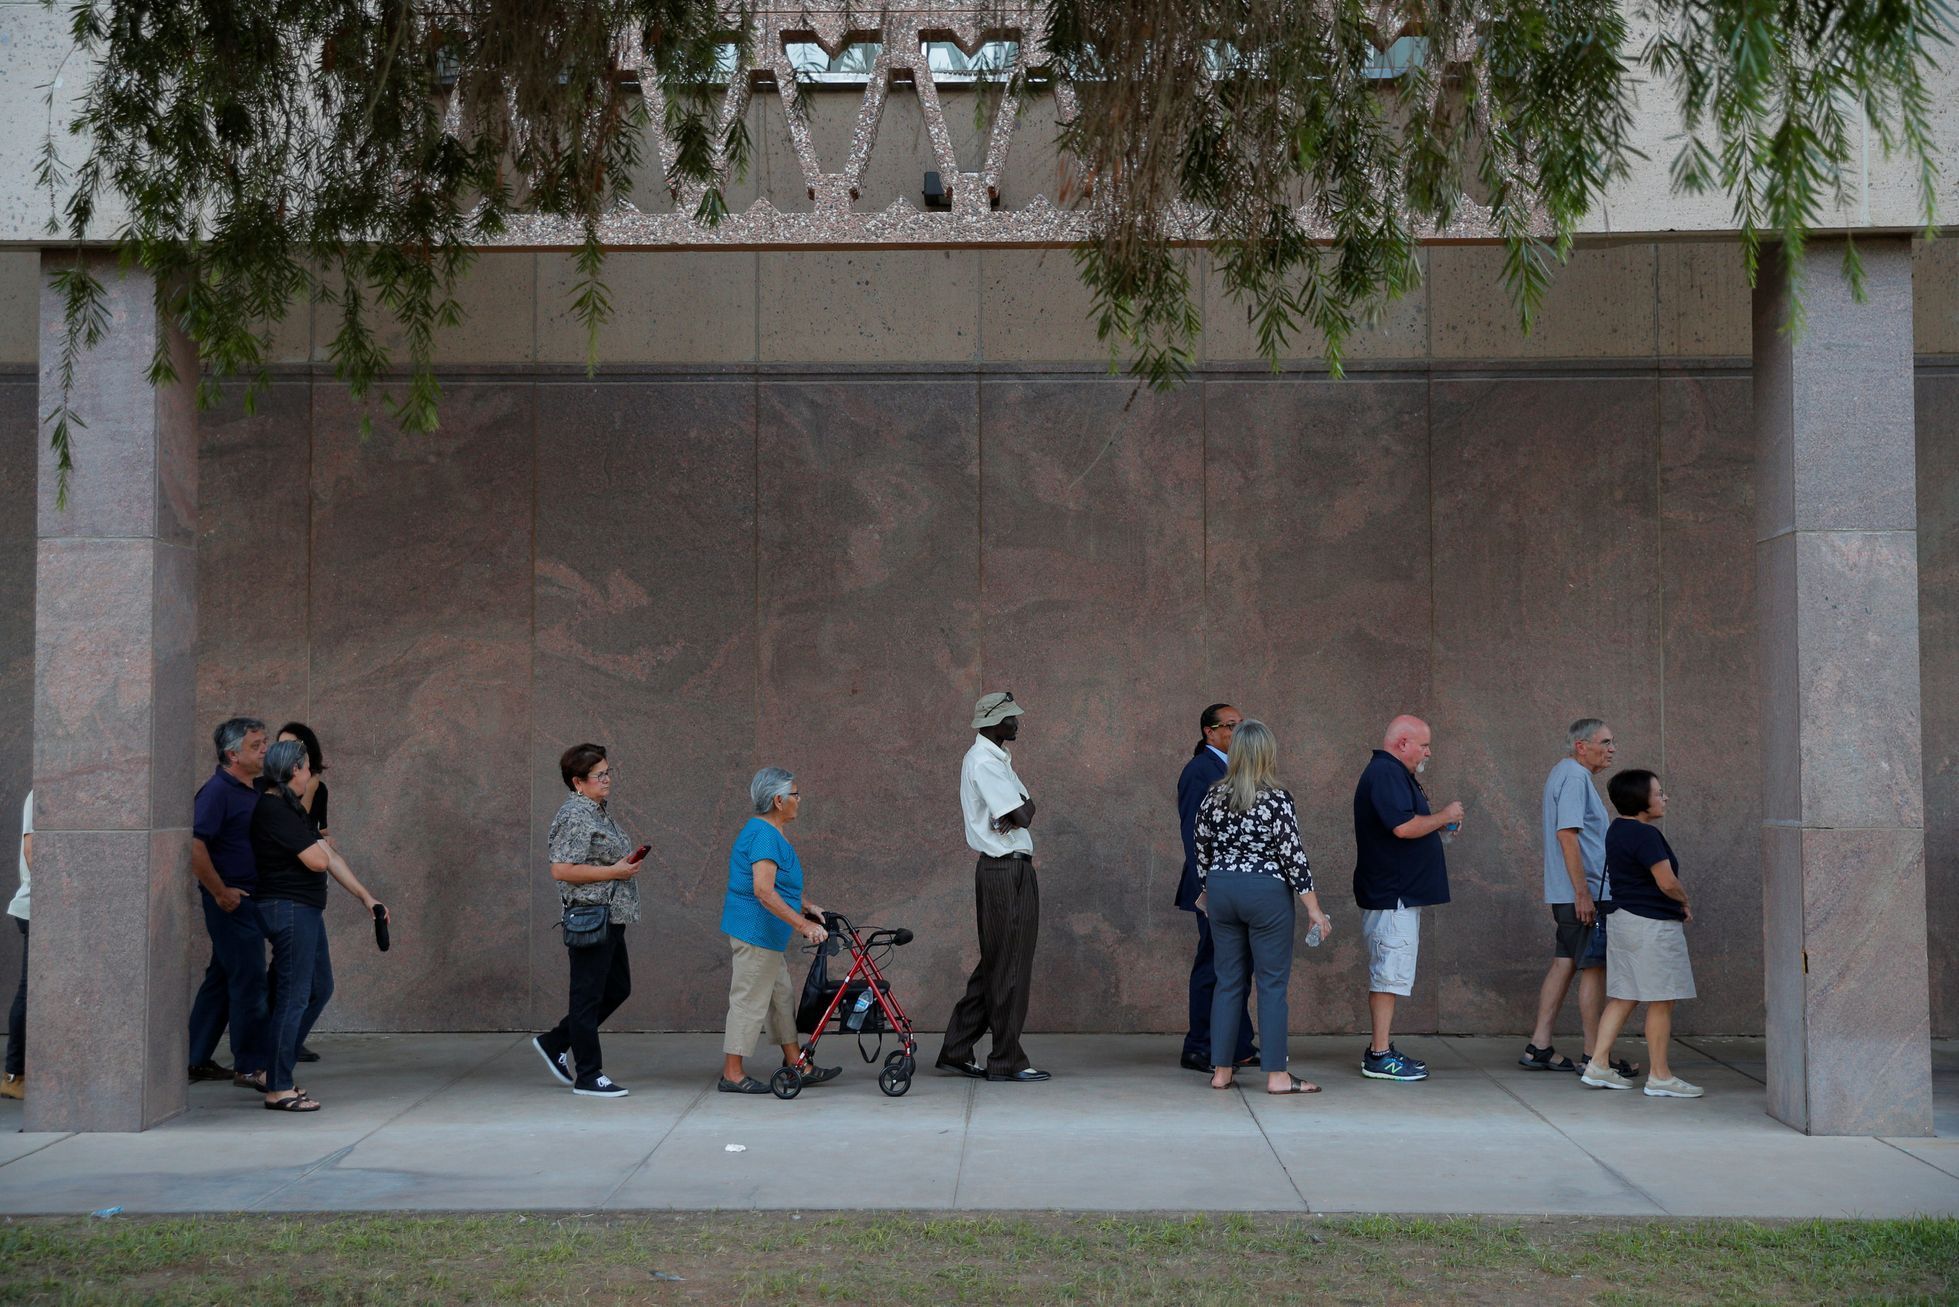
{"points": [[1647, 961], [1251, 863]]}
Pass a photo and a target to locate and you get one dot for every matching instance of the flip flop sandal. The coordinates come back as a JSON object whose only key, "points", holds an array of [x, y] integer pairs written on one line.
{"points": [[297, 1103], [1226, 1085], [1298, 1087], [746, 1085]]}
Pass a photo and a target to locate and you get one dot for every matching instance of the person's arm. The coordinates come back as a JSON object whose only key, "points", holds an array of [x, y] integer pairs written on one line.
{"points": [[1204, 841], [1020, 818], [207, 876], [1669, 884], [578, 873], [1574, 867], [27, 850], [323, 857], [765, 894]]}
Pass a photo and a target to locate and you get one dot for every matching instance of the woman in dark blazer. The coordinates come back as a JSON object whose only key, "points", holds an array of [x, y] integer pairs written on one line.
{"points": [[1205, 769]]}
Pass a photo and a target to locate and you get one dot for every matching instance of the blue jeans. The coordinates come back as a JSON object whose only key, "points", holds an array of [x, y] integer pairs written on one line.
{"points": [[233, 992], [322, 991], [297, 934], [1251, 919]]}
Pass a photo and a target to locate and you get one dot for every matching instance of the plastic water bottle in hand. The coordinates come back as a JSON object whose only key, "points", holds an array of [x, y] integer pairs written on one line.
{"points": [[1449, 832], [1313, 936]]}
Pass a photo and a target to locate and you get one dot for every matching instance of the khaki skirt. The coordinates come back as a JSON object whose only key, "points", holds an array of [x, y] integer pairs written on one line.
{"points": [[1646, 960]]}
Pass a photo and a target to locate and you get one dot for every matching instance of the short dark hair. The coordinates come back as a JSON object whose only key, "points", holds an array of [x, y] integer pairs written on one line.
{"points": [[1631, 791], [231, 733], [304, 734], [578, 761], [1205, 722]]}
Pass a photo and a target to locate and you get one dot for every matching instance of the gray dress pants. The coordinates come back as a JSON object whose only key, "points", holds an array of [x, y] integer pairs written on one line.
{"points": [[1251, 924]]}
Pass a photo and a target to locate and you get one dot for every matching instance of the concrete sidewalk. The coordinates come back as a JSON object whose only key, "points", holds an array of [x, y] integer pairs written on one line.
{"points": [[475, 1122]]}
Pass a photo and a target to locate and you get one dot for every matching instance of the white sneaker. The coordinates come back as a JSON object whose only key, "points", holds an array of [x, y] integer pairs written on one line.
{"points": [[1604, 1077], [1672, 1087]]}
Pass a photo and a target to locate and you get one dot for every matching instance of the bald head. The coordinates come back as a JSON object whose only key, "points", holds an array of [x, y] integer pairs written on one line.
{"points": [[1407, 738]]}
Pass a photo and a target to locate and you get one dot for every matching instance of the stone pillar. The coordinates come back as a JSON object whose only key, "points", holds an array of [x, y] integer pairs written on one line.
{"points": [[115, 763], [1843, 817]]}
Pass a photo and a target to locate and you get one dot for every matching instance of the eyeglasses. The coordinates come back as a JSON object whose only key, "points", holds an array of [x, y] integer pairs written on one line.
{"points": [[601, 777], [793, 794], [1223, 726]]}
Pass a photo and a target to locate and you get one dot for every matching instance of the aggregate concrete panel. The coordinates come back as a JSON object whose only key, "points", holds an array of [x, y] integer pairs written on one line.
{"points": [[498, 298], [865, 307], [669, 307], [421, 593], [1035, 309], [1092, 538], [1704, 301], [645, 642], [1547, 608], [1230, 333], [1935, 297], [20, 302], [1317, 555], [1599, 305]]}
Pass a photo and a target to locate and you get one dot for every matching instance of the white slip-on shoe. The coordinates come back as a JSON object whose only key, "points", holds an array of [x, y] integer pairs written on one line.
{"points": [[1671, 1087], [1603, 1077]]}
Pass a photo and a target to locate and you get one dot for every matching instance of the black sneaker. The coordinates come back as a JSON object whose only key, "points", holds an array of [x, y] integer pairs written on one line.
{"points": [[1390, 1065], [560, 1065], [305, 1054], [599, 1086], [208, 1070]]}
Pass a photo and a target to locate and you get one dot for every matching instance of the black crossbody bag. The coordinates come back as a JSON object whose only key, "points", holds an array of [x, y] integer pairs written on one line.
{"points": [[585, 923]]}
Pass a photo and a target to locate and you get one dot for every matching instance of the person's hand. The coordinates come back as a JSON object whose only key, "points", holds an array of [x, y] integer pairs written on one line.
{"points": [[229, 898], [1452, 813], [1586, 909], [812, 932], [371, 903], [1689, 919], [1204, 902], [813, 912], [624, 869], [1321, 920]]}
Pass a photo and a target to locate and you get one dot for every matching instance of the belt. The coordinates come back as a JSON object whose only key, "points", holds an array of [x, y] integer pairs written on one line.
{"points": [[1006, 857]]}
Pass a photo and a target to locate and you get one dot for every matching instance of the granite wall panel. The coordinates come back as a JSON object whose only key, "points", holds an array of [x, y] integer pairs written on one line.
{"points": [[1938, 660], [645, 591], [1315, 620], [1546, 609], [868, 574], [712, 573], [421, 596], [19, 461], [1092, 536], [1711, 737]]}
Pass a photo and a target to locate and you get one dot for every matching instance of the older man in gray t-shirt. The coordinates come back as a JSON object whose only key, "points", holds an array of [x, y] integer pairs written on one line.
{"points": [[1574, 825]]}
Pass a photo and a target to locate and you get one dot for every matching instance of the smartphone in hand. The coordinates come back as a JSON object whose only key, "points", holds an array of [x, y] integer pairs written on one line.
{"points": [[639, 854]]}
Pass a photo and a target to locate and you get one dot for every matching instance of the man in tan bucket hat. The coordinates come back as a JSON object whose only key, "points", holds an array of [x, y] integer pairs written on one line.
{"points": [[998, 816]]}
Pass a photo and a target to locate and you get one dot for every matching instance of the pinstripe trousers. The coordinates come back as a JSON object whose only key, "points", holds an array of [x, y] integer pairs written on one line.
{"points": [[1007, 898]]}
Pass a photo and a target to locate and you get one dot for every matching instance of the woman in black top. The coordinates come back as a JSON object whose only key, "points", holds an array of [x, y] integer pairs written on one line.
{"points": [[293, 864], [1251, 864], [314, 800]]}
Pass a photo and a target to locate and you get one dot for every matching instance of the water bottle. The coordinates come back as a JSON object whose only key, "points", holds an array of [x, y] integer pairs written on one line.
{"points": [[1313, 936], [855, 1021], [1449, 832]]}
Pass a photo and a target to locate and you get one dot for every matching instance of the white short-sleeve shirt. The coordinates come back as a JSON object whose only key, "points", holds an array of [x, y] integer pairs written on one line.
{"points": [[989, 790]]}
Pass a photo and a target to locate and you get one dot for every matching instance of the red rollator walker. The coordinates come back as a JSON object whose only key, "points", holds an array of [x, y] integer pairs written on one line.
{"points": [[860, 1003]]}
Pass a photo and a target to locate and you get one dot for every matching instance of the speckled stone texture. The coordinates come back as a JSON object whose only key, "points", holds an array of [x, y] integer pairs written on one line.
{"points": [[19, 471], [709, 573], [1938, 664], [1848, 1014], [114, 702]]}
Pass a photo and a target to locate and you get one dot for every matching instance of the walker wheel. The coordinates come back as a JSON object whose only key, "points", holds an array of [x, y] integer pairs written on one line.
{"points": [[901, 1059], [786, 1083], [893, 1081]]}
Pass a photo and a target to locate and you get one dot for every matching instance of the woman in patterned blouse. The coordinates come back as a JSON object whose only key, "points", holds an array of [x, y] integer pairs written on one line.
{"points": [[1251, 863], [591, 859]]}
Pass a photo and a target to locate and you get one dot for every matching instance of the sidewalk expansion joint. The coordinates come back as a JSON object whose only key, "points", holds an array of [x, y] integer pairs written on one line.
{"points": [[659, 1143]]}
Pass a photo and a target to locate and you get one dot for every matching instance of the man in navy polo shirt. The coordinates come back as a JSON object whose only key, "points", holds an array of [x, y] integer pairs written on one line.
{"points": [[233, 991], [1399, 871]]}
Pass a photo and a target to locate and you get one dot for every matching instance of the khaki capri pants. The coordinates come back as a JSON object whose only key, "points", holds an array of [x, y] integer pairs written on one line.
{"points": [[759, 999]]}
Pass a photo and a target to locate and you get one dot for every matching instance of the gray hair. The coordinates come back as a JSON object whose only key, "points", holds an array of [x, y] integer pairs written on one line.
{"points": [[770, 784], [281, 761], [1584, 729], [230, 735]]}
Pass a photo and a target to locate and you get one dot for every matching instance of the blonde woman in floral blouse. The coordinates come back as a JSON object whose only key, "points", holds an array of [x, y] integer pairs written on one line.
{"points": [[591, 859], [1251, 863]]}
